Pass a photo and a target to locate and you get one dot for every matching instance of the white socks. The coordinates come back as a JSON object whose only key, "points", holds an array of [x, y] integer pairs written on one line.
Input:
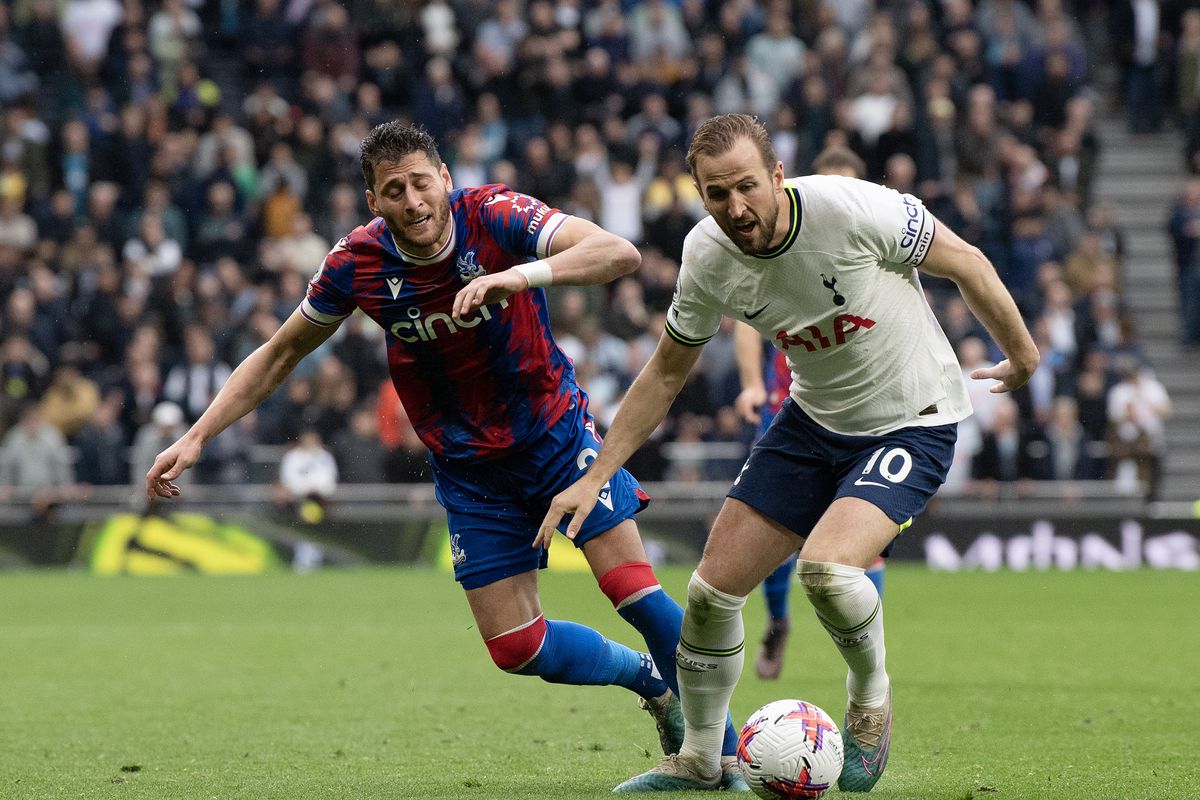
{"points": [[849, 607], [709, 660]]}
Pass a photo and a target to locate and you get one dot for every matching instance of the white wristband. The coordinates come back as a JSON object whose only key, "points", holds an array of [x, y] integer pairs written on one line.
{"points": [[537, 273]]}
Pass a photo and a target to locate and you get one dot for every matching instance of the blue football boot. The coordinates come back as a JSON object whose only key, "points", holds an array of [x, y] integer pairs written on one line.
{"points": [[867, 735], [673, 774]]}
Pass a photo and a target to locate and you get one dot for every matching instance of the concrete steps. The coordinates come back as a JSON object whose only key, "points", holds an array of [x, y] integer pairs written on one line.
{"points": [[1140, 176]]}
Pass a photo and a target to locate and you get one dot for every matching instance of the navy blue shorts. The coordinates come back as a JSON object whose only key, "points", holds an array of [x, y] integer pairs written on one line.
{"points": [[798, 468], [494, 508]]}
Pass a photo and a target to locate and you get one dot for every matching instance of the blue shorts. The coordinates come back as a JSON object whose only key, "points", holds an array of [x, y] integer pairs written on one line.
{"points": [[798, 468], [494, 508]]}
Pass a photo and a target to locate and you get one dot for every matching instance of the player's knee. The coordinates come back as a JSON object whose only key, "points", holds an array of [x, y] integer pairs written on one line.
{"points": [[514, 650], [822, 579], [627, 583], [706, 602]]}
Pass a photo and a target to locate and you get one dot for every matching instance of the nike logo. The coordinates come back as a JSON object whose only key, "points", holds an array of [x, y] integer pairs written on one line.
{"points": [[879, 760], [861, 482], [748, 315]]}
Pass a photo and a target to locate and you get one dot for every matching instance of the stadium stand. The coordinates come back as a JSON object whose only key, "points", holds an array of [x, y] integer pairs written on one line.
{"points": [[172, 173]]}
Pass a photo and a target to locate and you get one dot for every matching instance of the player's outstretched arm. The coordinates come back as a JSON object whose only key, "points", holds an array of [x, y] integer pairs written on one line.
{"points": [[950, 257], [250, 384], [642, 410], [582, 253], [747, 351]]}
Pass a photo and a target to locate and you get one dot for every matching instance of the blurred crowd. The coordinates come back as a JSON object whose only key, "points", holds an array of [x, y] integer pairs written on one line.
{"points": [[172, 173]]}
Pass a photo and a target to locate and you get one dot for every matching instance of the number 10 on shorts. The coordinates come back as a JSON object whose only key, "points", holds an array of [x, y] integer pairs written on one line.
{"points": [[894, 465]]}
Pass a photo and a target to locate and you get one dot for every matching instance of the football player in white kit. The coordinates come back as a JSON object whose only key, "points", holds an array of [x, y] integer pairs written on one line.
{"points": [[825, 268]]}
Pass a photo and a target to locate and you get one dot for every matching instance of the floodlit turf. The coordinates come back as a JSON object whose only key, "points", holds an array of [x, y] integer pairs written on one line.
{"points": [[373, 684]]}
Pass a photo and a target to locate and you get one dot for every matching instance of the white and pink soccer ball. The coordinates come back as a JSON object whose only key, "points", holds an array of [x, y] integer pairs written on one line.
{"points": [[790, 748]]}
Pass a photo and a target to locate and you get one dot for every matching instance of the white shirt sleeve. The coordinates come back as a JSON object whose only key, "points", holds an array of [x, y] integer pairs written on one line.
{"points": [[895, 226], [693, 317]]}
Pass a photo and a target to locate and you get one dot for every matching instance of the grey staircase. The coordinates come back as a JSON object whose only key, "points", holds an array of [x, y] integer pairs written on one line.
{"points": [[1140, 176]]}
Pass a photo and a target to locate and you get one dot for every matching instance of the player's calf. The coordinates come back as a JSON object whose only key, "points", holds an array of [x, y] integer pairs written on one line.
{"points": [[849, 608], [565, 652], [635, 593]]}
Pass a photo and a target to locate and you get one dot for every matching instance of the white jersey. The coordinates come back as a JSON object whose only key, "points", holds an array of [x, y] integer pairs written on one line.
{"points": [[841, 298]]}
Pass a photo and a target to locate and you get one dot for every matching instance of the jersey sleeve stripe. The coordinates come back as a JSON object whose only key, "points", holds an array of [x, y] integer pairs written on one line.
{"points": [[317, 317], [922, 247], [549, 228], [922, 251], [687, 341]]}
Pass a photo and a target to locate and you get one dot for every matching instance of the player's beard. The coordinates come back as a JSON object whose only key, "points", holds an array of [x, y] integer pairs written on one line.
{"points": [[412, 241], [759, 239]]}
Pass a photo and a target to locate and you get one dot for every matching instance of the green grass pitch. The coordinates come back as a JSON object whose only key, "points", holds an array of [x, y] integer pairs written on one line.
{"points": [[373, 684]]}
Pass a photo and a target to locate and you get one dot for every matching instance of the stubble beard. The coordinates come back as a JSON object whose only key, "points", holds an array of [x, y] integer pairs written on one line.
{"points": [[440, 219], [764, 232]]}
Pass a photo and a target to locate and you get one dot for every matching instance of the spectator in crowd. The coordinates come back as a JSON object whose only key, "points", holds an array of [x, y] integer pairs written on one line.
{"points": [[195, 382], [101, 445], [358, 450], [1064, 452], [1136, 28], [1004, 457], [70, 400], [307, 470], [151, 252], [17, 229], [23, 372], [34, 456], [1184, 229], [1138, 407]]}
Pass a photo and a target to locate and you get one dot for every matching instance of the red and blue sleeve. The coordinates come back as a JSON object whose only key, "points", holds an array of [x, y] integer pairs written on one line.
{"points": [[330, 292], [520, 224]]}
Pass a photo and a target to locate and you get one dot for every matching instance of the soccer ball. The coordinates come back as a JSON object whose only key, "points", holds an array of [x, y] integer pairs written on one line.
{"points": [[790, 748]]}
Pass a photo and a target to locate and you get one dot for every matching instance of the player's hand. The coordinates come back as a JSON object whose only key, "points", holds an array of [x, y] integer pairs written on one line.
{"points": [[749, 403], [1010, 376], [487, 289], [169, 465], [578, 500]]}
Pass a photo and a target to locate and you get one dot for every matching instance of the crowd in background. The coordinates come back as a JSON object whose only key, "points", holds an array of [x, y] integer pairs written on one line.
{"points": [[172, 173]]}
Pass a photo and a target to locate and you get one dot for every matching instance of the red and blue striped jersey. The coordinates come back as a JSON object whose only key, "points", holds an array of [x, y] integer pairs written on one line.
{"points": [[476, 388], [778, 380]]}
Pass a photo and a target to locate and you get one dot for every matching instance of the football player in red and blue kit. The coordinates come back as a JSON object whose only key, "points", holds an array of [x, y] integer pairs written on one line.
{"points": [[454, 276]]}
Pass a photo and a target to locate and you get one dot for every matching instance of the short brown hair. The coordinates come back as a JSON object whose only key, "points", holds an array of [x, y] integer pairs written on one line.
{"points": [[836, 157], [392, 141], [718, 135]]}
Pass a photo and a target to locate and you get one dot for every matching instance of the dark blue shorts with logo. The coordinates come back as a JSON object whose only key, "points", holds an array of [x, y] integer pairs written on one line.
{"points": [[494, 507], [798, 468]]}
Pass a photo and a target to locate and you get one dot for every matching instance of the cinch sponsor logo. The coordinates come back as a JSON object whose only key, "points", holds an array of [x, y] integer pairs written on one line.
{"points": [[912, 226], [420, 328]]}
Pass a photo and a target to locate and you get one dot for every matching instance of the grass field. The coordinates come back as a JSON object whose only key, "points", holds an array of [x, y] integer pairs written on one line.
{"points": [[373, 684]]}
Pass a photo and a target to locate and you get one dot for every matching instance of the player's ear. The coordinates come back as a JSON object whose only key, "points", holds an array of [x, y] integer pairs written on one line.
{"points": [[777, 175], [446, 177], [371, 203]]}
